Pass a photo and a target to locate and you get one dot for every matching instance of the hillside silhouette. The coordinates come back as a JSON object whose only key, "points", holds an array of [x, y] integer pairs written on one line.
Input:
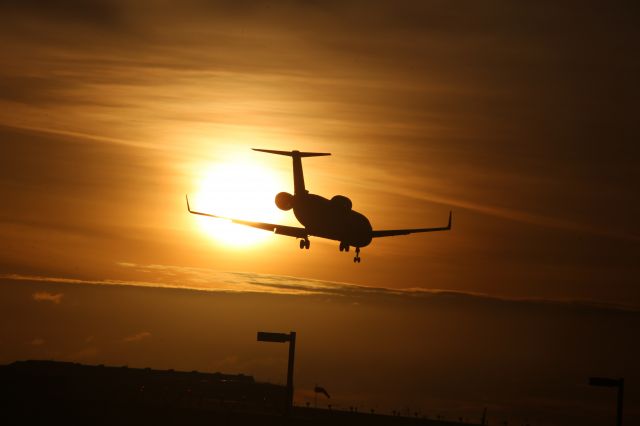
{"points": [[51, 391]]}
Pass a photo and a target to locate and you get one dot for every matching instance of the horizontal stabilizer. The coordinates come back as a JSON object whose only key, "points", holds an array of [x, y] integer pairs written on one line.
{"points": [[292, 153]]}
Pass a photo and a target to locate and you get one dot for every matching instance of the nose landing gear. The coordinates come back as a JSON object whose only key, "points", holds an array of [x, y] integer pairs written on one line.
{"points": [[356, 259], [305, 244]]}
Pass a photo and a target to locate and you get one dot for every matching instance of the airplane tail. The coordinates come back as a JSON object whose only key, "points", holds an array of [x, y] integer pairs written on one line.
{"points": [[298, 176]]}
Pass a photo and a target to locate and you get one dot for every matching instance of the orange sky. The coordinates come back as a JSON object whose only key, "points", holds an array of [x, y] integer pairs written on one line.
{"points": [[521, 118], [518, 118]]}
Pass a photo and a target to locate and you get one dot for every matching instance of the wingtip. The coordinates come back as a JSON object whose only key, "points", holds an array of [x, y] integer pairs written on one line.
{"points": [[450, 214], [186, 197]]}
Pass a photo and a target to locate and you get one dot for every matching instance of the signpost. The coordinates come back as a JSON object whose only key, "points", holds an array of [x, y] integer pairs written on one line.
{"points": [[611, 383], [264, 336]]}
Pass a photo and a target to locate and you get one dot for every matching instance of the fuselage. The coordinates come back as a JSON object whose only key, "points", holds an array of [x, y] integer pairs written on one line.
{"points": [[325, 218]]}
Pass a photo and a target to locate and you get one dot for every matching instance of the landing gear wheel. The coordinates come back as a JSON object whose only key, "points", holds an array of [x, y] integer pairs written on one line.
{"points": [[356, 259], [307, 244], [302, 244]]}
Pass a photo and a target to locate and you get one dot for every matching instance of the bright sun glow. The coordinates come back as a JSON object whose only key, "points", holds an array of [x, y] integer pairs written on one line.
{"points": [[240, 190]]}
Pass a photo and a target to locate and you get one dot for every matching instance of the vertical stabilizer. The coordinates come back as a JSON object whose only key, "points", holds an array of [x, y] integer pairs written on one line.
{"points": [[298, 175]]}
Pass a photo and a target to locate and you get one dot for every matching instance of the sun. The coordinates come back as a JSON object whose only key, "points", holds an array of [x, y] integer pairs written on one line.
{"points": [[239, 189]]}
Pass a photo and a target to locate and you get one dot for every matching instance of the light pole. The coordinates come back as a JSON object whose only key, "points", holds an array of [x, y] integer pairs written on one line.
{"points": [[264, 336]]}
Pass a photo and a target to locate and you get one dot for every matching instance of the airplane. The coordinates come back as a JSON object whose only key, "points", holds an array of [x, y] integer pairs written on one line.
{"points": [[333, 219]]}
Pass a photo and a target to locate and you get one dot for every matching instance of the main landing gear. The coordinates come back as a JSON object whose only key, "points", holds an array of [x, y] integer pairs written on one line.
{"points": [[305, 244], [345, 247], [357, 258]]}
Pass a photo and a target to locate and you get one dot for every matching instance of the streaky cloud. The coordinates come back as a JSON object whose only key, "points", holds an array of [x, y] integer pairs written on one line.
{"points": [[209, 280], [137, 337], [44, 296], [515, 215]]}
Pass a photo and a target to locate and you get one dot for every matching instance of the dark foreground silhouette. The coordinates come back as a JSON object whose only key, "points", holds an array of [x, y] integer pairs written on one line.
{"points": [[333, 219], [49, 391]]}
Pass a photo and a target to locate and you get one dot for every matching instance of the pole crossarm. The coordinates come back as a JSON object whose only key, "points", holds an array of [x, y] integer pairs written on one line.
{"points": [[264, 336]]}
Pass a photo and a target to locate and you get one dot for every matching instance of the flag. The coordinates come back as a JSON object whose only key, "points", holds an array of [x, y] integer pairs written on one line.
{"points": [[320, 389]]}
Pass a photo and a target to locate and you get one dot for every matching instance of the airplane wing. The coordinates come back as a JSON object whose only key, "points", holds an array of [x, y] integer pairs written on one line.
{"points": [[394, 232], [290, 231]]}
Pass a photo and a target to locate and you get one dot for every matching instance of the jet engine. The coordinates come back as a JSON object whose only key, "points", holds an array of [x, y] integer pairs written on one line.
{"points": [[284, 201], [342, 202]]}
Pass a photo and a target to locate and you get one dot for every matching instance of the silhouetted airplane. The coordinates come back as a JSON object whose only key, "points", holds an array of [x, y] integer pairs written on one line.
{"points": [[333, 219]]}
